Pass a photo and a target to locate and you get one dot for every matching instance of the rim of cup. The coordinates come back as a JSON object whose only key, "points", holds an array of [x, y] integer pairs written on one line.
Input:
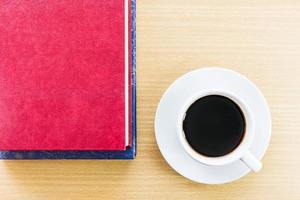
{"points": [[239, 151]]}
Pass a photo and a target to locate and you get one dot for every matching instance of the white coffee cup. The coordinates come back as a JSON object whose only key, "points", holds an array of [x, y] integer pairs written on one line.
{"points": [[241, 152]]}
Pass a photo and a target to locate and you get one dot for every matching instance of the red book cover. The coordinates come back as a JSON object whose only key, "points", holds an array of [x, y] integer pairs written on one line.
{"points": [[64, 75]]}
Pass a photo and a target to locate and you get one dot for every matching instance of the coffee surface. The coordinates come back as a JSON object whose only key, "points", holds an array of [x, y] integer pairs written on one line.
{"points": [[214, 125]]}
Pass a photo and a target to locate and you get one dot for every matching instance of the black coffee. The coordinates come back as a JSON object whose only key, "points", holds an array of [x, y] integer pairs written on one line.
{"points": [[214, 125]]}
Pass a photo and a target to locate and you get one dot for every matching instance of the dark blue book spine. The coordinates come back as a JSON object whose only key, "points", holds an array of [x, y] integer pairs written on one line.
{"points": [[129, 153]]}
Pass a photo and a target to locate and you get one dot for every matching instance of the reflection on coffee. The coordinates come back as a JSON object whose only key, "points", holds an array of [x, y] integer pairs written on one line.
{"points": [[214, 125]]}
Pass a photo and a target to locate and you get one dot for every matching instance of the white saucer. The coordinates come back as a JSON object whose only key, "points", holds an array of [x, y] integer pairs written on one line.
{"points": [[169, 107]]}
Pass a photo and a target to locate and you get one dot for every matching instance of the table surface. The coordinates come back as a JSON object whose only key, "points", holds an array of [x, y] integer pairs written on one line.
{"points": [[258, 38]]}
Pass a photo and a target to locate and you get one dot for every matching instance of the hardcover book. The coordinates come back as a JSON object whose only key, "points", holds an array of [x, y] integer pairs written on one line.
{"points": [[67, 79]]}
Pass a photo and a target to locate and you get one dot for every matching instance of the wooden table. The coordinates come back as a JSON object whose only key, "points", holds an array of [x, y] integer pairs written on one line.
{"points": [[258, 38]]}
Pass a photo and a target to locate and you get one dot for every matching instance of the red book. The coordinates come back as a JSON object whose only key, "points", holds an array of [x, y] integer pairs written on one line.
{"points": [[64, 75]]}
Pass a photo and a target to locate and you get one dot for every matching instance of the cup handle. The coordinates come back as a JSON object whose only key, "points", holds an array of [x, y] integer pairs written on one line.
{"points": [[253, 163]]}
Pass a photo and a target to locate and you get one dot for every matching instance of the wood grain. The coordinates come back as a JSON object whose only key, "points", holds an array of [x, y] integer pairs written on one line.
{"points": [[259, 38]]}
